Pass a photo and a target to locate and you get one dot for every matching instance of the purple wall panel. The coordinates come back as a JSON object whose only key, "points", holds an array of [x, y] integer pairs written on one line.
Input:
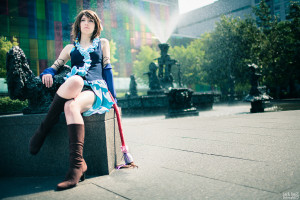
{"points": [[32, 23], [58, 38], [86, 4], [3, 7], [23, 9], [42, 65], [49, 20]]}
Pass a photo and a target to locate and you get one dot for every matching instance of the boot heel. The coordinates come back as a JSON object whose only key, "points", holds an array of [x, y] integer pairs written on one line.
{"points": [[82, 178]]}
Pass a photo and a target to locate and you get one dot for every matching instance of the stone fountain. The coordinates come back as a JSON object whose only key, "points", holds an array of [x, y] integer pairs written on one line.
{"points": [[162, 97], [161, 81]]}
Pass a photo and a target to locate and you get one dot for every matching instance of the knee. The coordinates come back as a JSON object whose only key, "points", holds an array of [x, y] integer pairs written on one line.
{"points": [[75, 82], [71, 107]]}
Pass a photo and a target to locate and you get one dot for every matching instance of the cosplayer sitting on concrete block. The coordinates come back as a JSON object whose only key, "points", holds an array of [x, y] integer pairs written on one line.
{"points": [[85, 91]]}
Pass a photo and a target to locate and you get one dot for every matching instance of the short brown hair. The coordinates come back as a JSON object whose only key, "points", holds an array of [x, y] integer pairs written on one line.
{"points": [[92, 15]]}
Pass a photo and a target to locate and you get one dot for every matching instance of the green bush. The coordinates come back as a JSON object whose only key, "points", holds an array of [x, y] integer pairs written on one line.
{"points": [[7, 105], [5, 45]]}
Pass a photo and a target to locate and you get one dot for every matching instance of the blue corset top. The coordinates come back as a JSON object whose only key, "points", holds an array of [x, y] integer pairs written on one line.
{"points": [[95, 70]]}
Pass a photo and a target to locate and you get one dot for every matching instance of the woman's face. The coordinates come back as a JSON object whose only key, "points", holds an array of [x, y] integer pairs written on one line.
{"points": [[87, 25]]}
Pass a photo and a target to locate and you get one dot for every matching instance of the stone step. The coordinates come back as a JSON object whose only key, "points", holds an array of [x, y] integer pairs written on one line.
{"points": [[101, 149]]}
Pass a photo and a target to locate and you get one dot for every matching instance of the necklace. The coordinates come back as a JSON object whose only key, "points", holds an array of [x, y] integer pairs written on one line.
{"points": [[82, 71]]}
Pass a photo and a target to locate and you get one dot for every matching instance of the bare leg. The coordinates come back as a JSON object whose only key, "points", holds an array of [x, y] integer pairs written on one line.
{"points": [[71, 88], [78, 105]]}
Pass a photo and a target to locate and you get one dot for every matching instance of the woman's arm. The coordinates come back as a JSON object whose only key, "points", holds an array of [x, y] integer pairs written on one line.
{"points": [[107, 69], [106, 51], [64, 56]]}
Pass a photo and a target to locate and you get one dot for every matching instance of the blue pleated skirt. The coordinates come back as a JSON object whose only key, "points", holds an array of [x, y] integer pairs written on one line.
{"points": [[103, 101]]}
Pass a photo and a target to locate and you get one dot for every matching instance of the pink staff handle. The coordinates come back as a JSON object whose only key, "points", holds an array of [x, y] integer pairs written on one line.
{"points": [[119, 122]]}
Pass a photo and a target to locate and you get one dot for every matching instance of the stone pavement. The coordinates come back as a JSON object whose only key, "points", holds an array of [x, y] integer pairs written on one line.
{"points": [[226, 153]]}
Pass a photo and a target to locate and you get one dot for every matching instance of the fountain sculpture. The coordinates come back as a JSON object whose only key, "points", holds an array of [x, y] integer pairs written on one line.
{"points": [[165, 64], [162, 97], [180, 103], [154, 82], [179, 99], [257, 95], [132, 88]]}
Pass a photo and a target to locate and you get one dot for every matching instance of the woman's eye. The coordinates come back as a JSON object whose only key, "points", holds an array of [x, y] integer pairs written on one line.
{"points": [[91, 21]]}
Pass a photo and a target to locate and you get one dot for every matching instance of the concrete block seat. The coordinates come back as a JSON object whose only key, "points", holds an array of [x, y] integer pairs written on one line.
{"points": [[101, 149]]}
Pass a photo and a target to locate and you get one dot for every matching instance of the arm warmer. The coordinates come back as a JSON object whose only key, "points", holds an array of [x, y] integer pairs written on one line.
{"points": [[108, 77], [49, 70]]}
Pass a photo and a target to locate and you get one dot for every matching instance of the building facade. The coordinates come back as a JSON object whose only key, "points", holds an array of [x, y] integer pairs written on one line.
{"points": [[202, 20], [42, 27]]}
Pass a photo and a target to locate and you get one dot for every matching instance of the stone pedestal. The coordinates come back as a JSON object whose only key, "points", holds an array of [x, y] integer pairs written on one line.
{"points": [[180, 103], [257, 106], [101, 149], [203, 101], [155, 92], [158, 104], [182, 113]]}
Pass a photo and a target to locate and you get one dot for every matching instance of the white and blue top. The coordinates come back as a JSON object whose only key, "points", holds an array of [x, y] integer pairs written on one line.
{"points": [[88, 64]]}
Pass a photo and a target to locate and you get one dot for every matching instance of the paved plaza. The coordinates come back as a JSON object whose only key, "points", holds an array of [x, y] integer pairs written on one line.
{"points": [[226, 153]]}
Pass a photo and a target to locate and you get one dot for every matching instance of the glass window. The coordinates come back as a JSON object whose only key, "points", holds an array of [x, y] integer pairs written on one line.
{"points": [[277, 14], [287, 8], [277, 7]]}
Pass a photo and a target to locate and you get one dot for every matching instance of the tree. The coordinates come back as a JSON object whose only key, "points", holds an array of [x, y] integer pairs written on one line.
{"points": [[278, 55], [294, 25], [142, 62], [191, 61], [228, 50], [5, 45]]}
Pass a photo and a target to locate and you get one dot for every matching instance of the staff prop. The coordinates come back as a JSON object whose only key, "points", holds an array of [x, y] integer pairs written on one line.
{"points": [[127, 156]]}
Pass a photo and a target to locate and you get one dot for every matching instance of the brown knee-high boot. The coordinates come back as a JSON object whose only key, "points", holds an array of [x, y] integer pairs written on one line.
{"points": [[77, 164], [52, 117]]}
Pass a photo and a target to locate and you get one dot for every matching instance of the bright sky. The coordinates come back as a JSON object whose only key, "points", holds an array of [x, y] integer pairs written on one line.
{"points": [[188, 5]]}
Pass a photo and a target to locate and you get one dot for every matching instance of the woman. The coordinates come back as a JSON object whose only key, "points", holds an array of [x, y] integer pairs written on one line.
{"points": [[85, 90]]}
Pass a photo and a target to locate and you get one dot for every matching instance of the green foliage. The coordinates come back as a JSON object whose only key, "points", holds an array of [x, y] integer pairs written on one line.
{"points": [[263, 13], [191, 61], [5, 45], [294, 15], [241, 90], [267, 42], [228, 50], [221, 57], [279, 49], [141, 64], [113, 49], [8, 105], [189, 58]]}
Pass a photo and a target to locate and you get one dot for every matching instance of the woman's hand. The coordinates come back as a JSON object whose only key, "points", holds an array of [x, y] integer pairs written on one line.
{"points": [[47, 80]]}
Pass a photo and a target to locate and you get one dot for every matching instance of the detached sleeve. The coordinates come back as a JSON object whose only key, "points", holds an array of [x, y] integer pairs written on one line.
{"points": [[49, 70], [108, 77]]}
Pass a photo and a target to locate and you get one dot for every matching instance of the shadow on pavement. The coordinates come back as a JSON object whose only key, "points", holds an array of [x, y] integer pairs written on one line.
{"points": [[20, 186]]}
